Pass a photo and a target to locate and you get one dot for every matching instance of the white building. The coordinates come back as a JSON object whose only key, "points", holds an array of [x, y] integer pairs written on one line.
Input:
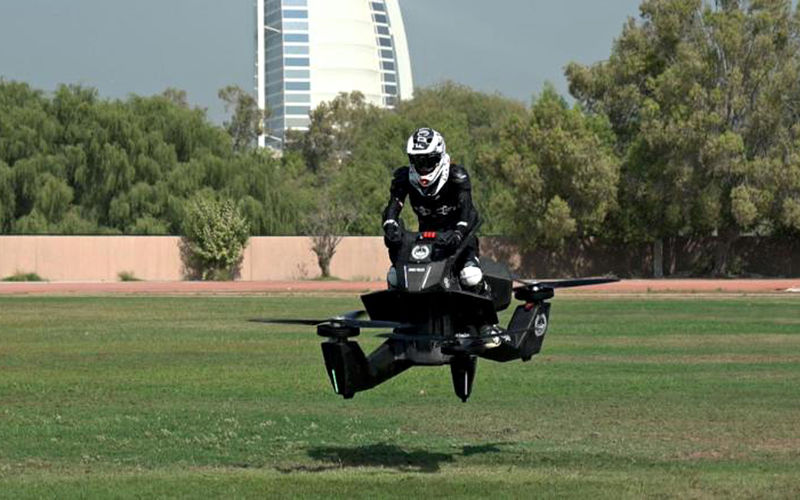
{"points": [[308, 51]]}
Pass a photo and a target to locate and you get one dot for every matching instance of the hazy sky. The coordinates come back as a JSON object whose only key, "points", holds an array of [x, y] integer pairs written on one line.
{"points": [[145, 46]]}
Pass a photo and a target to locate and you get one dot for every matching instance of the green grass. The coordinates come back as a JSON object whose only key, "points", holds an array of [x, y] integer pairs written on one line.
{"points": [[180, 397]]}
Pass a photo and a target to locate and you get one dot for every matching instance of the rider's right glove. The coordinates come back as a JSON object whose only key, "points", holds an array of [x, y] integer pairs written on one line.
{"points": [[392, 236]]}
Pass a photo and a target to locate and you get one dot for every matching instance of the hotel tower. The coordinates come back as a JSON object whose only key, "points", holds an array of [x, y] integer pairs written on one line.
{"points": [[309, 51]]}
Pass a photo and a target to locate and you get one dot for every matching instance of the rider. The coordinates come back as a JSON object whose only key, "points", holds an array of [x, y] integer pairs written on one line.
{"points": [[440, 195]]}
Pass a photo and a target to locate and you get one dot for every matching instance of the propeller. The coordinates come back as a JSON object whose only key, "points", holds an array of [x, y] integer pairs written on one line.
{"points": [[349, 319], [568, 283]]}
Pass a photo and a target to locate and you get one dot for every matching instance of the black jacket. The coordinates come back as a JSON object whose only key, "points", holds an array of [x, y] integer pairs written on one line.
{"points": [[448, 210]]}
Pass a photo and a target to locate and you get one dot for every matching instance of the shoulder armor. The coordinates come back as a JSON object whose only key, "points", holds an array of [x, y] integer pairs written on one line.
{"points": [[459, 174], [401, 173]]}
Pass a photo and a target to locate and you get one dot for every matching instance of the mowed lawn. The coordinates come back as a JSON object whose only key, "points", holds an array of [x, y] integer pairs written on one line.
{"points": [[181, 397]]}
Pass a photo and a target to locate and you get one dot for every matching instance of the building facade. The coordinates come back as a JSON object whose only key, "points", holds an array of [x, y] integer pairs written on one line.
{"points": [[309, 51]]}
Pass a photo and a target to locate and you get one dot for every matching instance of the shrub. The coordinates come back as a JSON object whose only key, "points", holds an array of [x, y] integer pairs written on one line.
{"points": [[19, 276], [127, 276], [214, 236]]}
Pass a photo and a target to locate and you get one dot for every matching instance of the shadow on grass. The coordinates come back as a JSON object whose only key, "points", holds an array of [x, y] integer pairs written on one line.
{"points": [[391, 456], [481, 449], [384, 455]]}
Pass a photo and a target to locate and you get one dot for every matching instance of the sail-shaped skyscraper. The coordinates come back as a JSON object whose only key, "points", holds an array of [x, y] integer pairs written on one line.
{"points": [[309, 51]]}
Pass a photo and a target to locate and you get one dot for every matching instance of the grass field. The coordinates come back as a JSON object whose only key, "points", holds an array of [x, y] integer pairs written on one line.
{"points": [[179, 396]]}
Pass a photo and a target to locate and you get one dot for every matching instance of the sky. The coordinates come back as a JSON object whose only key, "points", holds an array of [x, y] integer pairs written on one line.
{"points": [[145, 46]]}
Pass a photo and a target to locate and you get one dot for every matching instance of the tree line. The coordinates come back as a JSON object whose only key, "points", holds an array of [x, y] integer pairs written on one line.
{"points": [[688, 130]]}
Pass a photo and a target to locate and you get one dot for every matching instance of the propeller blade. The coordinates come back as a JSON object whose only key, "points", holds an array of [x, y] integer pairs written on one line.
{"points": [[347, 319], [288, 321], [368, 323], [569, 283]]}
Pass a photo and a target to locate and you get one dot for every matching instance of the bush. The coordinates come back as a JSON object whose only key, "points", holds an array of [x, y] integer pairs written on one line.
{"points": [[127, 276], [19, 276], [214, 236]]}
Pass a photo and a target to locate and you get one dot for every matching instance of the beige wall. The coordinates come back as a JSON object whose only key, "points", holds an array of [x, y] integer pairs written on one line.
{"points": [[157, 258]]}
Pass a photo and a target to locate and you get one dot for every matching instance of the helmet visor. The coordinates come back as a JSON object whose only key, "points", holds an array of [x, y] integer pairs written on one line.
{"points": [[425, 164]]}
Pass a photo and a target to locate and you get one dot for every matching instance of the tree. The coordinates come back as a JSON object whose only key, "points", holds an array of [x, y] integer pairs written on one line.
{"points": [[53, 198], [561, 171], [326, 226], [703, 99], [75, 163], [214, 237], [26, 127], [246, 121], [351, 145], [274, 194], [32, 223], [176, 96], [335, 130], [7, 198]]}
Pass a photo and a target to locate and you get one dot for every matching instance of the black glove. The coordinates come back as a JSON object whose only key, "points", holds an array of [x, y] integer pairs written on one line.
{"points": [[451, 239], [392, 235]]}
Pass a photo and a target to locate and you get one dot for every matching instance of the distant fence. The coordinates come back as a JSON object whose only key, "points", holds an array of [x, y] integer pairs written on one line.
{"points": [[750, 256], [157, 258]]}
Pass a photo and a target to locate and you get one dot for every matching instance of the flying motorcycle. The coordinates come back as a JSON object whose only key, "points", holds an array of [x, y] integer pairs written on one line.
{"points": [[434, 321]]}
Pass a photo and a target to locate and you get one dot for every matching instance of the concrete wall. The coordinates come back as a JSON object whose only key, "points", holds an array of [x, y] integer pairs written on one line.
{"points": [[157, 258]]}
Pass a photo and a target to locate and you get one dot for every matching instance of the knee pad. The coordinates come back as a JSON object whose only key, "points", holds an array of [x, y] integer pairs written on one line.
{"points": [[471, 276], [391, 277]]}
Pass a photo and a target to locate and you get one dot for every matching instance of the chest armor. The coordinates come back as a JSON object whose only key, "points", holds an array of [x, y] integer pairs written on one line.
{"points": [[440, 210]]}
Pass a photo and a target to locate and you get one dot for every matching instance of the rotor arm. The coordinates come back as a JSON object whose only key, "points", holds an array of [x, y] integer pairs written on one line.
{"points": [[350, 371]]}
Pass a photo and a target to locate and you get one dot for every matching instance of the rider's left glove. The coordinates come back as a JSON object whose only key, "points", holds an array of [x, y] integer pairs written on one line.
{"points": [[453, 239]]}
